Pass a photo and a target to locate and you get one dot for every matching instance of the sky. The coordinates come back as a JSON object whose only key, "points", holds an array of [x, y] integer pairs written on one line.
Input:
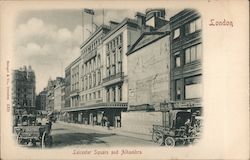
{"points": [[49, 40]]}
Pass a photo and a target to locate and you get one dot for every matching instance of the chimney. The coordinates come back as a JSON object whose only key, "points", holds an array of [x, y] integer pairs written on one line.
{"points": [[141, 19], [113, 24]]}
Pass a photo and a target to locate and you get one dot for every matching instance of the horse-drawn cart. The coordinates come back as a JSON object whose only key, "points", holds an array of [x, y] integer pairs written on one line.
{"points": [[181, 125], [32, 133]]}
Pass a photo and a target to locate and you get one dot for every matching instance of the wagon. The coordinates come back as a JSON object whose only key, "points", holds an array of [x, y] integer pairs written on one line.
{"points": [[180, 126], [32, 133]]}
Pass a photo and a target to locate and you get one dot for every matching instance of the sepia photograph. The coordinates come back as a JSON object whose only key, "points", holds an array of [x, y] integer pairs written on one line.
{"points": [[122, 82], [113, 78]]}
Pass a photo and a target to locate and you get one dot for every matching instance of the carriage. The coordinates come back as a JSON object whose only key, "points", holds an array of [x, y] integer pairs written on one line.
{"points": [[181, 124], [29, 132]]}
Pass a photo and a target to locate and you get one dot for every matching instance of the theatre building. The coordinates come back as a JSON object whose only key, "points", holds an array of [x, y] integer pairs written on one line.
{"points": [[115, 80], [186, 56]]}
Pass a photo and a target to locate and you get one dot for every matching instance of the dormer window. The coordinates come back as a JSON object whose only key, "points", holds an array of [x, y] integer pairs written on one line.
{"points": [[176, 33]]}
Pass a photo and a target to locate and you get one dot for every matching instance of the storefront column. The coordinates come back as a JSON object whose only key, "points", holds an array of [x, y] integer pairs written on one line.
{"points": [[117, 93]]}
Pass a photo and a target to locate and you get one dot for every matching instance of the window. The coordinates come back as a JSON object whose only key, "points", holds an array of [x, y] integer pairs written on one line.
{"points": [[187, 55], [193, 87], [176, 33], [193, 53], [108, 95], [119, 93], [113, 71], [119, 54], [99, 94], [114, 95], [178, 89], [193, 26], [108, 72], [177, 59], [108, 61]]}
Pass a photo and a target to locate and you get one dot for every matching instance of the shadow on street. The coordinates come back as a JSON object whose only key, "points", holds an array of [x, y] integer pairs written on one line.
{"points": [[67, 139]]}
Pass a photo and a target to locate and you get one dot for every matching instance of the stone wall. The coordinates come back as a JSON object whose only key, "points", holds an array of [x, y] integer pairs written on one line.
{"points": [[140, 122]]}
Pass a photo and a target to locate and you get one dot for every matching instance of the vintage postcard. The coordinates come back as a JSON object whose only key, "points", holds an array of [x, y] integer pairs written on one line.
{"points": [[124, 79]]}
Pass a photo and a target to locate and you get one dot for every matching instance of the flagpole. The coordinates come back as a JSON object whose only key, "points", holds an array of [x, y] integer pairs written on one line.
{"points": [[103, 16], [92, 19], [83, 26]]}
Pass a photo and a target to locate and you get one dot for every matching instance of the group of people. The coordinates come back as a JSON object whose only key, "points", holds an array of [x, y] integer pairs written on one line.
{"points": [[27, 120]]}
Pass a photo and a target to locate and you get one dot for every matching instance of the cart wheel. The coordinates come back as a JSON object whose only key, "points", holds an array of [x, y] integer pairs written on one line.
{"points": [[18, 140], [158, 137], [46, 140], [170, 142]]}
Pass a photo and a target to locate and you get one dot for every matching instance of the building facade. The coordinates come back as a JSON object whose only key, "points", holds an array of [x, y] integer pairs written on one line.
{"points": [[58, 93], [50, 99], [115, 81], [41, 100], [149, 71], [86, 81], [23, 90], [186, 56]]}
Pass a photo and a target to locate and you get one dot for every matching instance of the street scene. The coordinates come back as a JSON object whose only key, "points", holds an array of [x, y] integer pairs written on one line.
{"points": [[108, 78]]}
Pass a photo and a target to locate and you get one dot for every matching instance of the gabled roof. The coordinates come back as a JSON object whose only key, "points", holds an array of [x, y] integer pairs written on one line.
{"points": [[145, 39]]}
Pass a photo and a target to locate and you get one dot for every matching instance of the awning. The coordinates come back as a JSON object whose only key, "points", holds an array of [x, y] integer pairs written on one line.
{"points": [[97, 106]]}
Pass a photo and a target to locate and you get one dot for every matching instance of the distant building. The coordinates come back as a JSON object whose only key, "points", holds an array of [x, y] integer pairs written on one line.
{"points": [[23, 90], [67, 88], [41, 100], [58, 94], [50, 99], [186, 56]]}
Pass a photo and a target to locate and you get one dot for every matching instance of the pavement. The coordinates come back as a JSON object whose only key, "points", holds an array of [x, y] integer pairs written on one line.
{"points": [[117, 131]]}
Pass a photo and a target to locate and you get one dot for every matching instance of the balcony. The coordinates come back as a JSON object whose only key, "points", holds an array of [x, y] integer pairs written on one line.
{"points": [[74, 93], [113, 78]]}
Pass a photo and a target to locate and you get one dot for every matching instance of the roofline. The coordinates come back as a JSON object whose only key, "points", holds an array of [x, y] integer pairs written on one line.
{"points": [[147, 33], [120, 25], [94, 34], [72, 63], [174, 17]]}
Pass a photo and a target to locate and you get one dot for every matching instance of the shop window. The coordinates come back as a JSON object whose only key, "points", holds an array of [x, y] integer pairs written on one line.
{"points": [[193, 87], [178, 89], [176, 33]]}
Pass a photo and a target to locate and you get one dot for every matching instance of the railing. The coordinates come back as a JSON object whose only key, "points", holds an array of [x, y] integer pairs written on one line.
{"points": [[117, 75]]}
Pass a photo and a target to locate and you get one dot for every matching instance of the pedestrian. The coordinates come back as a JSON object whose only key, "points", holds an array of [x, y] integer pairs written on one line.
{"points": [[108, 124]]}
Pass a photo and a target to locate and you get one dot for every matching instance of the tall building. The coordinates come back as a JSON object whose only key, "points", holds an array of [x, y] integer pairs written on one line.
{"points": [[115, 82], [186, 56], [23, 90], [85, 77]]}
